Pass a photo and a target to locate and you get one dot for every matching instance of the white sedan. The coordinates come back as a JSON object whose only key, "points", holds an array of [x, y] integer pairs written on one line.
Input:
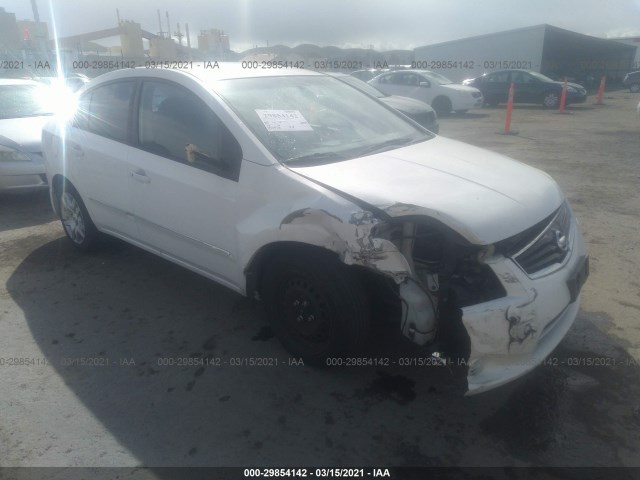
{"points": [[322, 201], [23, 113], [430, 87]]}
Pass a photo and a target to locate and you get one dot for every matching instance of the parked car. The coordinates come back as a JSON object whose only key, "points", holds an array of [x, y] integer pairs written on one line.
{"points": [[529, 87], [632, 81], [366, 75], [299, 189], [430, 87], [416, 110], [23, 113], [71, 82]]}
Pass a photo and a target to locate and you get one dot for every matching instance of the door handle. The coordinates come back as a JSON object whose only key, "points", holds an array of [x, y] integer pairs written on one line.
{"points": [[140, 176]]}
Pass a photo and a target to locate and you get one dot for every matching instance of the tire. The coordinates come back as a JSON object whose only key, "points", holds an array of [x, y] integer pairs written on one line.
{"points": [[550, 100], [442, 106], [634, 87], [76, 222], [492, 101], [317, 306]]}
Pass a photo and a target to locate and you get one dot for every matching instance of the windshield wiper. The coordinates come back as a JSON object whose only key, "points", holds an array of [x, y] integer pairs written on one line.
{"points": [[315, 159], [388, 145]]}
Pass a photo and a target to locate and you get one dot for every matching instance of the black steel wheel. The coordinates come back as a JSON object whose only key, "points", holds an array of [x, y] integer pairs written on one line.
{"points": [[316, 305]]}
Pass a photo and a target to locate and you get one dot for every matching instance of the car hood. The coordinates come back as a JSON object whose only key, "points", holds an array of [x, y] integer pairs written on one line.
{"points": [[23, 133], [482, 195], [406, 105]]}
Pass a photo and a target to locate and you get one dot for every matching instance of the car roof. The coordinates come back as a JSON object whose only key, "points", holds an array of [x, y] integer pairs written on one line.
{"points": [[17, 81], [224, 71], [337, 74]]}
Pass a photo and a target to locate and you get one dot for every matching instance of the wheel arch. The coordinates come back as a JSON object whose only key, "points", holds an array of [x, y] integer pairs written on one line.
{"points": [[443, 99], [255, 269], [57, 185]]}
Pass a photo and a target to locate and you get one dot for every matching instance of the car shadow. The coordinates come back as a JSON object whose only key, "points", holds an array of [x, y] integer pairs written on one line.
{"points": [[160, 357], [25, 210], [520, 106]]}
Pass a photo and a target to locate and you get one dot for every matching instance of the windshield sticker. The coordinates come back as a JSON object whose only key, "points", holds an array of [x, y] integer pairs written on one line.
{"points": [[284, 121]]}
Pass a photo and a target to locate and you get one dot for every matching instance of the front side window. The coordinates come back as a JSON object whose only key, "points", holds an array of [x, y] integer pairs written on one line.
{"points": [[410, 79], [175, 123], [437, 78], [105, 110], [522, 77]]}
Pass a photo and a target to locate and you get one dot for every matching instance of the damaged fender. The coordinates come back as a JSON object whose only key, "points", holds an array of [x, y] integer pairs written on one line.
{"points": [[354, 243]]}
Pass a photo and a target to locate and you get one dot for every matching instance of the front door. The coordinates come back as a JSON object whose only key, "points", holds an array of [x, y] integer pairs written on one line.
{"points": [[185, 172]]}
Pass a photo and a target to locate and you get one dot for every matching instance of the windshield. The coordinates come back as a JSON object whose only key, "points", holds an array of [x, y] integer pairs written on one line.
{"points": [[316, 119], [23, 101], [436, 77], [363, 86], [542, 77]]}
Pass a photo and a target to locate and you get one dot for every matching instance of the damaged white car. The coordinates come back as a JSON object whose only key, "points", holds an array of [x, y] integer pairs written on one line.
{"points": [[299, 189]]}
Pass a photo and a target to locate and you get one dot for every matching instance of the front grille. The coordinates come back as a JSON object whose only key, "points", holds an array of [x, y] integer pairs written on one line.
{"points": [[550, 247]]}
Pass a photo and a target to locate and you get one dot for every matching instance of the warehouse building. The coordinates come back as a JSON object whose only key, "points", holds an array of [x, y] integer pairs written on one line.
{"points": [[546, 49], [635, 42]]}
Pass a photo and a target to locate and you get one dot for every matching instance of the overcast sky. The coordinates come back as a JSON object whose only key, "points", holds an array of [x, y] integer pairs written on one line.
{"points": [[385, 24]]}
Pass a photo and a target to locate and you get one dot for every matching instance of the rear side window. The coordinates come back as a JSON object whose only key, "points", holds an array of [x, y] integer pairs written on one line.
{"points": [[177, 124], [105, 110], [498, 77]]}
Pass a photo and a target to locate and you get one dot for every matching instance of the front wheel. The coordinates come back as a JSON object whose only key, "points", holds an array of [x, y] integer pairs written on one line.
{"points": [[75, 219], [316, 305], [550, 100], [442, 106], [492, 100]]}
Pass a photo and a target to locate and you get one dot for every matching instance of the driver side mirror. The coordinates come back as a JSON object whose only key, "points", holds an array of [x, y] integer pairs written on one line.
{"points": [[425, 84]]}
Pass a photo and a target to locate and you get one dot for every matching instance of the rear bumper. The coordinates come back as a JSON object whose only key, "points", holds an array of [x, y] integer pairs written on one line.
{"points": [[510, 336]]}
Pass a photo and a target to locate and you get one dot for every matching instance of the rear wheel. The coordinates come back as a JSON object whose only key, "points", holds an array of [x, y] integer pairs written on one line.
{"points": [[442, 106], [317, 306], [75, 219], [550, 100]]}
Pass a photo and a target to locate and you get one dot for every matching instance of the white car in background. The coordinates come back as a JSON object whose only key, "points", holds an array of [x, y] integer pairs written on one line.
{"points": [[295, 187], [430, 87], [23, 113]]}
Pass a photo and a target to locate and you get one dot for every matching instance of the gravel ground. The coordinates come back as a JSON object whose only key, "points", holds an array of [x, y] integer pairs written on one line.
{"points": [[129, 312]]}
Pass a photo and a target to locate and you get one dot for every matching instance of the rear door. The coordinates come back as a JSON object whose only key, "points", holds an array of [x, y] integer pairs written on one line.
{"points": [[185, 172], [97, 150]]}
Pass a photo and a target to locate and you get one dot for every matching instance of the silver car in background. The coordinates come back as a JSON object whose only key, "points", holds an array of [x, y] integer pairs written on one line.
{"points": [[23, 113], [419, 112]]}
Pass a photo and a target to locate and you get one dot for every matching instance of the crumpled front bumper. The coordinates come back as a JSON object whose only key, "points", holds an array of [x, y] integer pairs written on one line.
{"points": [[512, 335]]}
